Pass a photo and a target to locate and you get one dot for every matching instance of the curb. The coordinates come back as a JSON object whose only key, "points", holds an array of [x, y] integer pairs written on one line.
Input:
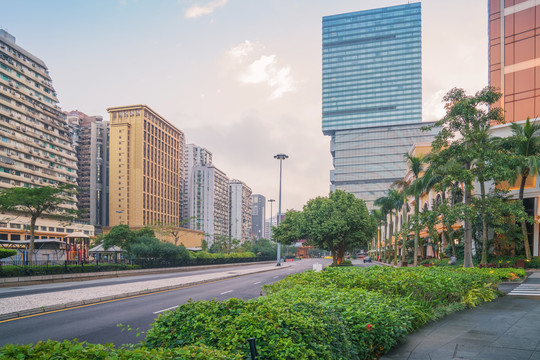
{"points": [[46, 309]]}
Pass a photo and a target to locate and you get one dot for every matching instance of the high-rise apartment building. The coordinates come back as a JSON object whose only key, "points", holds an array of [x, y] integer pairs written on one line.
{"points": [[372, 96], [35, 140], [258, 216], [195, 156], [209, 207], [91, 141], [514, 56], [146, 167], [240, 211]]}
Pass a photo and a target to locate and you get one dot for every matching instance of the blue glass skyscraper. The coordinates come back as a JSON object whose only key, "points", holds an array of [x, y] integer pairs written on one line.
{"points": [[372, 96]]}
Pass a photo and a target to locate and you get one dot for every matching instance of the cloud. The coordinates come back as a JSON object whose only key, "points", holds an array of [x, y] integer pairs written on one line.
{"points": [[433, 108], [197, 11], [241, 51], [265, 70]]}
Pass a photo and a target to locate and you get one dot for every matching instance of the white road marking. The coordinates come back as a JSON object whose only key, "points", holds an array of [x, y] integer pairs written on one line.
{"points": [[526, 289], [226, 292], [171, 308], [275, 277], [258, 282]]}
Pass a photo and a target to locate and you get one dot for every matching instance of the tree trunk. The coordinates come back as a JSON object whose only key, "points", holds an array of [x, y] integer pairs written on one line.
{"points": [[416, 230], [395, 237], [524, 176], [484, 224], [467, 230], [403, 235], [33, 220]]}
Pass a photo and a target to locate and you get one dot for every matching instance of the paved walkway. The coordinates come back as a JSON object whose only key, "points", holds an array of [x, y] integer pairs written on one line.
{"points": [[505, 329], [18, 306]]}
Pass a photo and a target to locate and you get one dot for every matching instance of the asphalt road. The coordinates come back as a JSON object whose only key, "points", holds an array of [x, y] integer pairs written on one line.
{"points": [[99, 323]]}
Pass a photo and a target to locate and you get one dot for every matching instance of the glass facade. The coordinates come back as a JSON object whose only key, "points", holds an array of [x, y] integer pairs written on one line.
{"points": [[368, 161], [372, 68], [372, 96], [514, 56]]}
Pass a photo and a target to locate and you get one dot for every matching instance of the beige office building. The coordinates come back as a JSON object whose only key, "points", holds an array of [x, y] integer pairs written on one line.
{"points": [[146, 167]]}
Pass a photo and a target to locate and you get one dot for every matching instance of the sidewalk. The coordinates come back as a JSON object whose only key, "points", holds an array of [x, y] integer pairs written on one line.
{"points": [[507, 328], [18, 306]]}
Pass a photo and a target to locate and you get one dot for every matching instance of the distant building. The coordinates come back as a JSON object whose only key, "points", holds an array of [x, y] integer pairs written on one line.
{"points": [[91, 141], [240, 211], [258, 216], [371, 89], [35, 140], [195, 156], [146, 167], [209, 207]]}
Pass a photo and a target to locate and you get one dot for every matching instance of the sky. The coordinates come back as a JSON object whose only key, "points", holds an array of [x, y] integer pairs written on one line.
{"points": [[241, 78]]}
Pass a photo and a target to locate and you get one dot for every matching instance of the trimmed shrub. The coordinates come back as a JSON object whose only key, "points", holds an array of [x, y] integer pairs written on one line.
{"points": [[341, 313], [69, 350], [5, 253]]}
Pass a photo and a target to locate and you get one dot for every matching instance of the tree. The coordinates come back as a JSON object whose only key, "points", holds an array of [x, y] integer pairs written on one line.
{"points": [[526, 145], [123, 237], [171, 229], [391, 204], [55, 202], [462, 139], [337, 223], [415, 188], [380, 219]]}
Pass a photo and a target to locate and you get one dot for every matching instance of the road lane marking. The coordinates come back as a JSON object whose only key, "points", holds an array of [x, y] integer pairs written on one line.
{"points": [[226, 292], [167, 309], [258, 282], [275, 277]]}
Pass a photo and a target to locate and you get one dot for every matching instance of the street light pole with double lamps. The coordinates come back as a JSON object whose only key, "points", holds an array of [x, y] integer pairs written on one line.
{"points": [[280, 157]]}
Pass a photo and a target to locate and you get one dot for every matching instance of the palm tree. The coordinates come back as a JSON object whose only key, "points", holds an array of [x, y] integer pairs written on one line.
{"points": [[415, 188], [387, 207], [527, 150], [396, 200], [379, 219]]}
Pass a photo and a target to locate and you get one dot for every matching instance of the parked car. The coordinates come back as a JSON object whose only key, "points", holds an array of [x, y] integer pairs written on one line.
{"points": [[367, 259]]}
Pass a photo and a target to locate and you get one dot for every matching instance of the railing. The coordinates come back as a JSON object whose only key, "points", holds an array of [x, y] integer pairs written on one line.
{"points": [[19, 269]]}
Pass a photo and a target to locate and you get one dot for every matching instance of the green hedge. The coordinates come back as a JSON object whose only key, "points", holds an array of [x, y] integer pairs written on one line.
{"points": [[341, 313], [5, 253], [24, 270], [69, 350]]}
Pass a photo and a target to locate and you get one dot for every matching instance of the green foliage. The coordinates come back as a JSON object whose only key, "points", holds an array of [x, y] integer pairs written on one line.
{"points": [[74, 350], [336, 223], [143, 244], [5, 253], [340, 313], [51, 201], [264, 247], [146, 247]]}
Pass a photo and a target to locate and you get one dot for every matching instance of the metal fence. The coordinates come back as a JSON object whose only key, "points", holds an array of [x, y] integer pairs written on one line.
{"points": [[17, 269]]}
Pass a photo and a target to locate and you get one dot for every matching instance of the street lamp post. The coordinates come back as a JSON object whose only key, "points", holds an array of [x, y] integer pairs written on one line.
{"points": [[280, 157], [271, 201]]}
